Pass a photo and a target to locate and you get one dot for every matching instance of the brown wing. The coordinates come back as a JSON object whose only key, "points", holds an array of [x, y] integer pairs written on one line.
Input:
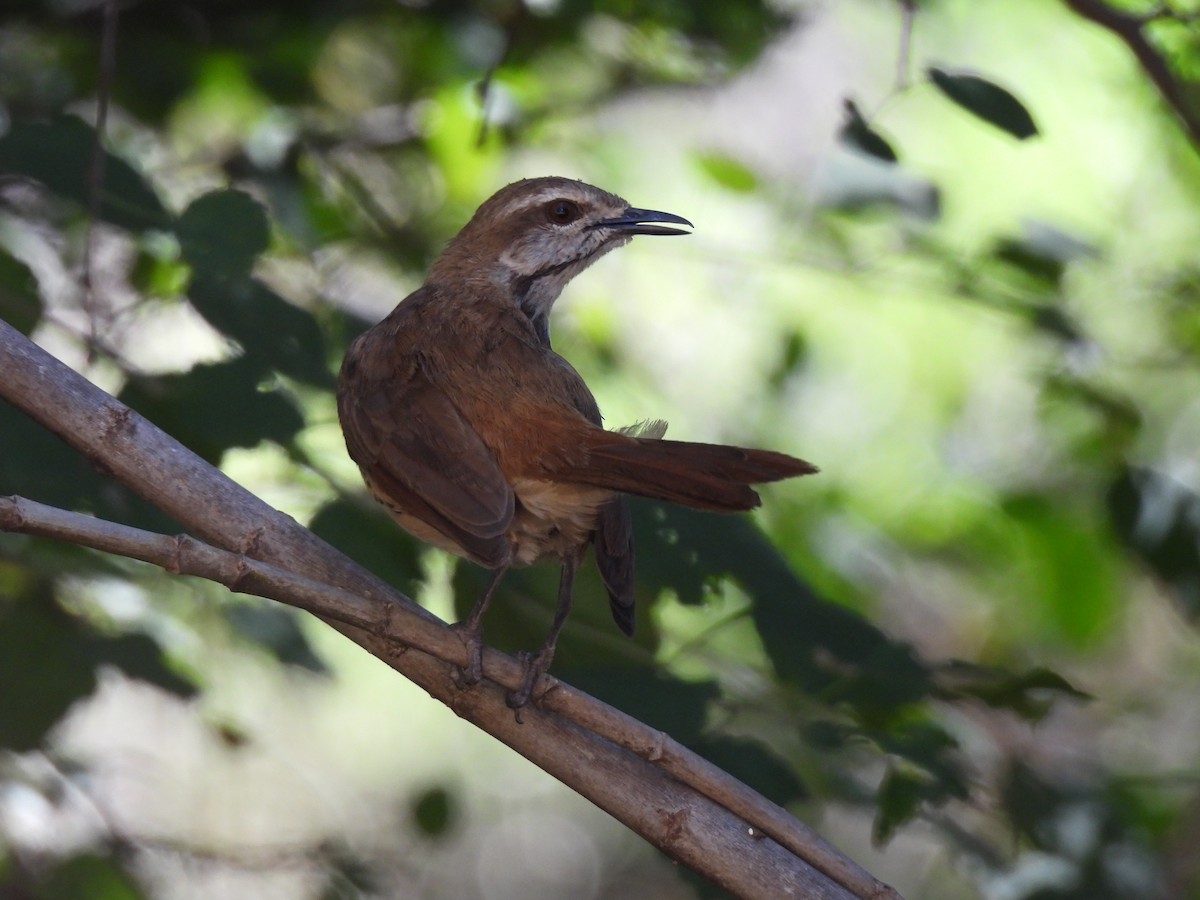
{"points": [[421, 456]]}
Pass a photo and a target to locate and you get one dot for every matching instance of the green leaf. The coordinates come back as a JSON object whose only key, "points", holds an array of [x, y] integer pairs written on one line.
{"points": [[86, 877], [40, 668], [1158, 518], [277, 629], [59, 155], [1030, 694], [37, 464], [222, 233], [684, 550], [48, 661], [679, 708], [753, 764], [985, 100], [1066, 566], [855, 132], [435, 812], [20, 305], [139, 656], [372, 539], [899, 796], [265, 326], [728, 172], [216, 406]]}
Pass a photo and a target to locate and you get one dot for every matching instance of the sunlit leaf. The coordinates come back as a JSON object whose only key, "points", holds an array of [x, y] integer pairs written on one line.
{"points": [[728, 172]]}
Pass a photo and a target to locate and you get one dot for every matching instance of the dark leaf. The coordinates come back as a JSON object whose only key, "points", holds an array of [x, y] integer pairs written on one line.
{"points": [[40, 668], [819, 646], [1158, 518], [222, 233], [1030, 694], [87, 877], [1055, 322], [855, 132], [59, 155], [20, 305], [48, 661], [277, 629], [856, 182], [985, 100], [900, 796], [1043, 251], [265, 325], [216, 406], [37, 464], [679, 708], [927, 747], [370, 538], [754, 765], [139, 656], [435, 812]]}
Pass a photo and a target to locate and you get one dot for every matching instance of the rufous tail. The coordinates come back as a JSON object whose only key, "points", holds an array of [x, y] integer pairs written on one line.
{"points": [[702, 476]]}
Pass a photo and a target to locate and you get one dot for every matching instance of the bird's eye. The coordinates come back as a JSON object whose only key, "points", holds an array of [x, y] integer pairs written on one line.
{"points": [[562, 212]]}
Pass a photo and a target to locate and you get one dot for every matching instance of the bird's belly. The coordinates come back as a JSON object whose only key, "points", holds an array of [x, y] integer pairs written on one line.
{"points": [[553, 518]]}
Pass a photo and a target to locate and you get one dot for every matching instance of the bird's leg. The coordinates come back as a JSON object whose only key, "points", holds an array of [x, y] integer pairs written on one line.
{"points": [[537, 663], [470, 630]]}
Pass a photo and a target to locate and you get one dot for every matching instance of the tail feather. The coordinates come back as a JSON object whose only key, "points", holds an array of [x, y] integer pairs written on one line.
{"points": [[702, 476]]}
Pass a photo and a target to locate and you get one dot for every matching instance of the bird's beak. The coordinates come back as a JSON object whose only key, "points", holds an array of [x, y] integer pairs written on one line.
{"points": [[644, 221]]}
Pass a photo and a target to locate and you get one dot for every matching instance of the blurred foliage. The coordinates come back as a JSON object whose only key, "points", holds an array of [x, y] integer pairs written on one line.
{"points": [[265, 162]]}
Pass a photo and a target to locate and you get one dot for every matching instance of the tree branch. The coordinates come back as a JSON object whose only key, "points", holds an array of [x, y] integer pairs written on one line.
{"points": [[1131, 30], [693, 811]]}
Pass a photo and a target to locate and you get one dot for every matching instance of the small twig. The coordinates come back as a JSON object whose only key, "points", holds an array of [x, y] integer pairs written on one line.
{"points": [[96, 166], [1129, 28], [908, 14]]}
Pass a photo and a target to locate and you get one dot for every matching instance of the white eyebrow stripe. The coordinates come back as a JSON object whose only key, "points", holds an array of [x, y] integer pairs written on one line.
{"points": [[545, 195]]}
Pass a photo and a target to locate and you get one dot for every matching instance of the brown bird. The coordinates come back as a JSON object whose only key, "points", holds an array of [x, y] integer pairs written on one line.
{"points": [[483, 441]]}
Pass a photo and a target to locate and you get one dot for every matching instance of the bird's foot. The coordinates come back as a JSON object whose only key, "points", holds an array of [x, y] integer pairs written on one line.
{"points": [[535, 665], [472, 672]]}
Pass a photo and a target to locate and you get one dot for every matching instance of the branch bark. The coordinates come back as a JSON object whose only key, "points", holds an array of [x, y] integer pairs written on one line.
{"points": [[690, 809], [1130, 29]]}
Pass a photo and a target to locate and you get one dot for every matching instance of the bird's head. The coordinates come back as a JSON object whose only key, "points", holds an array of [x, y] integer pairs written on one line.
{"points": [[534, 236]]}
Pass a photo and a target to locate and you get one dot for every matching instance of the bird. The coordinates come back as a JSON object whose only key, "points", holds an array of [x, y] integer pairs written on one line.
{"points": [[481, 440]]}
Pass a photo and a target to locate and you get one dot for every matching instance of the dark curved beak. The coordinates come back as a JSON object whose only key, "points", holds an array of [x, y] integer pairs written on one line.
{"points": [[645, 221]]}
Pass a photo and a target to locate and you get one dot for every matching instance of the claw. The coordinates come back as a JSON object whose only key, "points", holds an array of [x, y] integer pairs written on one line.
{"points": [[534, 669], [472, 672]]}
